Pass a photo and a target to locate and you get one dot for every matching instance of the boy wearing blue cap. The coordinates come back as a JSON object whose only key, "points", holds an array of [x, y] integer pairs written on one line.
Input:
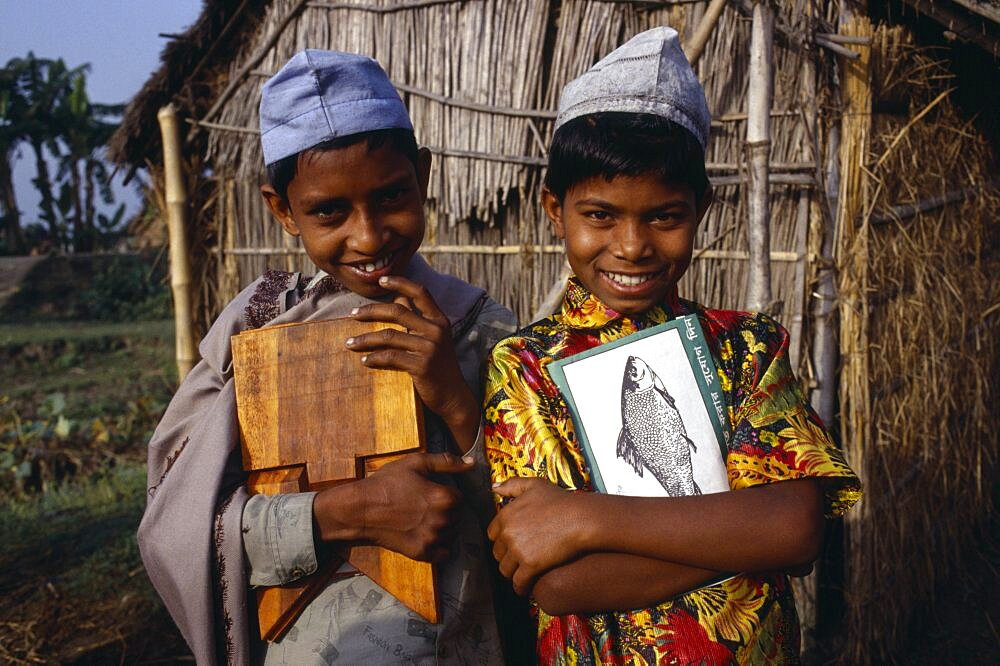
{"points": [[346, 176], [631, 580]]}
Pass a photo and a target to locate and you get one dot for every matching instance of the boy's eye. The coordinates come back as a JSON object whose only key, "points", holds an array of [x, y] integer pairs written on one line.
{"points": [[597, 215], [667, 219], [328, 211], [393, 195]]}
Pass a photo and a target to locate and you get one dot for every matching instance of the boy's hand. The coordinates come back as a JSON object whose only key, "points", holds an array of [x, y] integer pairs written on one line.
{"points": [[424, 350], [536, 531], [398, 507]]}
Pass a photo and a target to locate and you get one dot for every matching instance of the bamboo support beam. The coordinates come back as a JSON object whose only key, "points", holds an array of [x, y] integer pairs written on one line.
{"points": [[853, 256], [696, 47], [836, 48], [180, 265], [379, 9], [553, 297], [739, 255], [759, 95], [906, 211], [248, 66], [476, 106]]}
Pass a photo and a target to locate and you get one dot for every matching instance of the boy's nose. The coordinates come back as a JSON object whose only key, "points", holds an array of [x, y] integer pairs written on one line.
{"points": [[631, 243], [367, 233]]}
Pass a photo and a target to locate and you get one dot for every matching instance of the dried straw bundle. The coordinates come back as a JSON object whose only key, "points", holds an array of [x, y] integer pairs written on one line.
{"points": [[921, 294]]}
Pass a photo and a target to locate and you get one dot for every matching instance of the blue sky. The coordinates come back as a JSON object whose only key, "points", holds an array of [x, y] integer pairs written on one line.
{"points": [[119, 38]]}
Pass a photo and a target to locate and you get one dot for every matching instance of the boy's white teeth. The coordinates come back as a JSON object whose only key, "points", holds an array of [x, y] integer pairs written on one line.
{"points": [[377, 265], [629, 280]]}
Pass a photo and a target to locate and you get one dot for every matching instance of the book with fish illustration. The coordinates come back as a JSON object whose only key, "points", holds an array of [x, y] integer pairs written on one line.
{"points": [[650, 412]]}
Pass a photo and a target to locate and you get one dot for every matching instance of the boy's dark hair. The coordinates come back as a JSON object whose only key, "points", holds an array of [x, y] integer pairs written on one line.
{"points": [[624, 144], [281, 173]]}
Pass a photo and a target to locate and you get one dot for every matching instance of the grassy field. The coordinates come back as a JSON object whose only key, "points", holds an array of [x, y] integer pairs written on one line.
{"points": [[78, 401]]}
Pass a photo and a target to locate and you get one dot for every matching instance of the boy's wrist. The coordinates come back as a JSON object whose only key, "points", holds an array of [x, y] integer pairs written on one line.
{"points": [[589, 524], [339, 513], [463, 422]]}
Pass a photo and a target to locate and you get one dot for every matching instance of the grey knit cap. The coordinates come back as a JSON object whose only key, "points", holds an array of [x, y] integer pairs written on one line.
{"points": [[647, 74]]}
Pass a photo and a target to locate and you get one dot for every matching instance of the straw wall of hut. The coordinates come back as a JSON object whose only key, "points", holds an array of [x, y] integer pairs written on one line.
{"points": [[482, 80], [919, 312], [854, 242]]}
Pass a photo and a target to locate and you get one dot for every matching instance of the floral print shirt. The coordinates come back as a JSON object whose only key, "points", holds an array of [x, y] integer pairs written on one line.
{"points": [[776, 436]]}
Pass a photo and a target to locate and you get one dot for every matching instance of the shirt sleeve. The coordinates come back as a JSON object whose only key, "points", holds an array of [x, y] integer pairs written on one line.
{"points": [[278, 538], [776, 434], [527, 426]]}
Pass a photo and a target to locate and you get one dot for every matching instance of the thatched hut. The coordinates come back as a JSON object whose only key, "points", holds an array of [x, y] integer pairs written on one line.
{"points": [[862, 189]]}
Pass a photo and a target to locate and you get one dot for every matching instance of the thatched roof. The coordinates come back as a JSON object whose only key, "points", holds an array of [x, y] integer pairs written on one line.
{"points": [[191, 69], [194, 65], [973, 21]]}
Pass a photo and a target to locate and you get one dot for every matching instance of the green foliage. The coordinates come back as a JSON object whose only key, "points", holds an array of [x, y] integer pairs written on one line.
{"points": [[44, 103], [127, 291], [69, 561], [39, 453], [111, 287], [78, 400]]}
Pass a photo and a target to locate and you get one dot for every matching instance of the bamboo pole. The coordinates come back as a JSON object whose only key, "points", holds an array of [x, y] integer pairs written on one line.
{"points": [[696, 46], [553, 297], [180, 263], [431, 248], [852, 250], [824, 312], [758, 297]]}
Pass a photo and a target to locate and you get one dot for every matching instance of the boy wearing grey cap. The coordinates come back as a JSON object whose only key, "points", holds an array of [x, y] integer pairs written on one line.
{"points": [[346, 176], [634, 580]]}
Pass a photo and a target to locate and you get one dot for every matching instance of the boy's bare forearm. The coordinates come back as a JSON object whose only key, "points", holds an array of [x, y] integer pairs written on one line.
{"points": [[614, 581], [463, 420], [765, 528]]}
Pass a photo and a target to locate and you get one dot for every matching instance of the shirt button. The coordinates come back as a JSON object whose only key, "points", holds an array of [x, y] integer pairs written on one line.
{"points": [[296, 573]]}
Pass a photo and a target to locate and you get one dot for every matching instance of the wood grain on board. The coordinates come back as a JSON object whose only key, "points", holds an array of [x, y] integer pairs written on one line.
{"points": [[311, 415]]}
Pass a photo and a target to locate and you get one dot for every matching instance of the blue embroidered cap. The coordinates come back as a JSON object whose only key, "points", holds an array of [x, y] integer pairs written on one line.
{"points": [[647, 74], [321, 95]]}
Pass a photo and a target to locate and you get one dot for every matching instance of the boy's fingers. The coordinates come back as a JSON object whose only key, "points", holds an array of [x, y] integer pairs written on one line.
{"points": [[514, 487], [405, 302], [493, 531], [416, 293], [397, 313], [388, 338], [393, 359], [441, 463]]}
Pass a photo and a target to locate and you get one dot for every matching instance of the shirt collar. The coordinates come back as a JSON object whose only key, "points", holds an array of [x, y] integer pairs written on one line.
{"points": [[582, 309]]}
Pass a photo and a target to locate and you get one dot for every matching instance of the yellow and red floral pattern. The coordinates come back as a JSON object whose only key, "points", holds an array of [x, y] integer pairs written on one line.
{"points": [[747, 619]]}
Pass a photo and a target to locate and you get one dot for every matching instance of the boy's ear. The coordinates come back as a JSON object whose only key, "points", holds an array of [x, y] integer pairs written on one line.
{"points": [[423, 167], [553, 210], [278, 205], [704, 203]]}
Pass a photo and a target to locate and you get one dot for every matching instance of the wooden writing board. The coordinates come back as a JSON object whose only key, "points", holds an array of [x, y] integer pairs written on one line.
{"points": [[312, 415]]}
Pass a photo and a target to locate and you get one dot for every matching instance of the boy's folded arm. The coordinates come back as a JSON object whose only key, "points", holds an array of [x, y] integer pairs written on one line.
{"points": [[399, 507], [766, 528], [599, 582], [278, 538], [771, 527]]}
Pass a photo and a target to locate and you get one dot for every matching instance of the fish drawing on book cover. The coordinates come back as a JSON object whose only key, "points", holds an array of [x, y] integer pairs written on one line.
{"points": [[653, 434]]}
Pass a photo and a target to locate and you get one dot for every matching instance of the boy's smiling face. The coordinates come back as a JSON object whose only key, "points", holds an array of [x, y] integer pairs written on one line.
{"points": [[629, 239], [359, 211]]}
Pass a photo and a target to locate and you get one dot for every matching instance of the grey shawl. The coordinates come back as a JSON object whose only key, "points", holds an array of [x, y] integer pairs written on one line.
{"points": [[189, 536]]}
